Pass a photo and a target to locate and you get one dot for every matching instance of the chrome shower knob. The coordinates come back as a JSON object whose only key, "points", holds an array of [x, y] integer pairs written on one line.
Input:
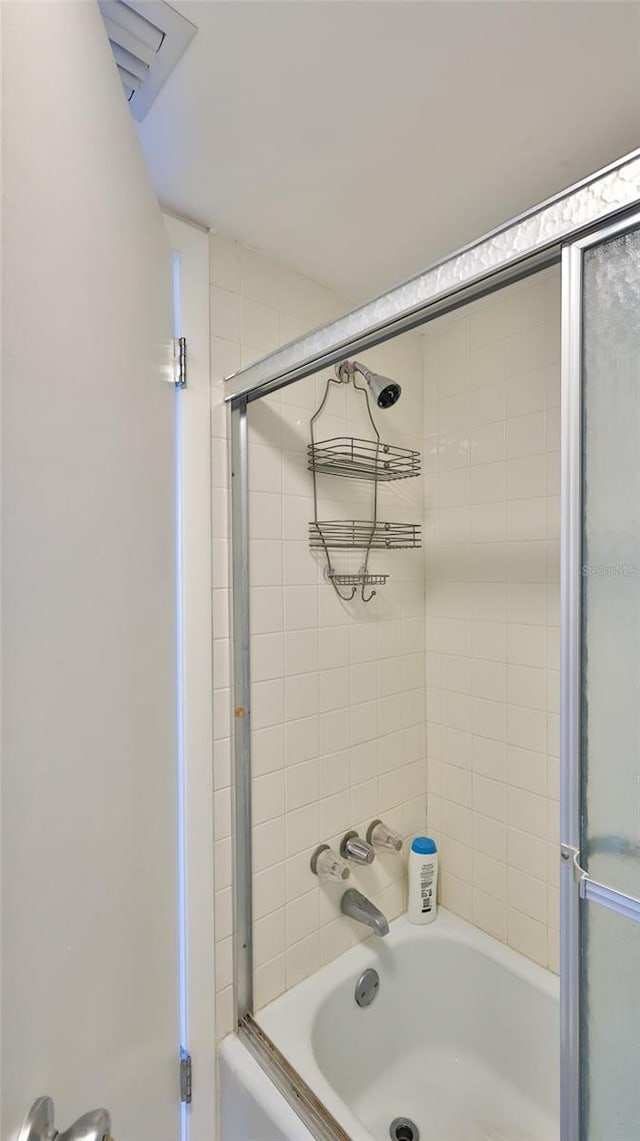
{"points": [[353, 847]]}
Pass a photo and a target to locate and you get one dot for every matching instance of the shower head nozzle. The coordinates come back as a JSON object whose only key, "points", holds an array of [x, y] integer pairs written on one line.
{"points": [[386, 391]]}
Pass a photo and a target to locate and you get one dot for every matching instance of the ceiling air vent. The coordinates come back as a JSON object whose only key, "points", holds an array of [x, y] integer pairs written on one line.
{"points": [[147, 37]]}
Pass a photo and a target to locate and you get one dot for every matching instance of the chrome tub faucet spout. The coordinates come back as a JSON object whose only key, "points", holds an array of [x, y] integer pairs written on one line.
{"points": [[358, 907]]}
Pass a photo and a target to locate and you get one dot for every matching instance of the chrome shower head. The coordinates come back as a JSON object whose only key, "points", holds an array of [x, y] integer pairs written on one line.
{"points": [[386, 391]]}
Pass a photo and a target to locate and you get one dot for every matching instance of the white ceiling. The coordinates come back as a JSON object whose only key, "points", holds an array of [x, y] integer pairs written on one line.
{"points": [[358, 141]]}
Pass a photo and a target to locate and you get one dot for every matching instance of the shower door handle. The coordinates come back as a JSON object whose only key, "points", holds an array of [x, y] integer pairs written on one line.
{"points": [[39, 1125], [597, 892]]}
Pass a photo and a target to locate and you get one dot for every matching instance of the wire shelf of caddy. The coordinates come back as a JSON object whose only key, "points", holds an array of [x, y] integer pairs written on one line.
{"points": [[363, 535], [353, 457]]}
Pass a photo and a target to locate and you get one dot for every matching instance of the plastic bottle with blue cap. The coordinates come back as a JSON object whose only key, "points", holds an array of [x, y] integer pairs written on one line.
{"points": [[423, 880]]}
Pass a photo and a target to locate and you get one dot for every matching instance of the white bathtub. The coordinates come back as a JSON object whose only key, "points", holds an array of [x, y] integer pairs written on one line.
{"points": [[462, 1039]]}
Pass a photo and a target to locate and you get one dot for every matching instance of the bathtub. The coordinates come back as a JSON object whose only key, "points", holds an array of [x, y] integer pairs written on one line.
{"points": [[461, 1040]]}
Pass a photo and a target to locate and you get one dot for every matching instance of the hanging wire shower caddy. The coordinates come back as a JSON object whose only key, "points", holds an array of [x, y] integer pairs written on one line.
{"points": [[351, 457]]}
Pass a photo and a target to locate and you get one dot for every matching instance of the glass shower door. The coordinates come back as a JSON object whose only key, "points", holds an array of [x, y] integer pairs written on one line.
{"points": [[601, 714]]}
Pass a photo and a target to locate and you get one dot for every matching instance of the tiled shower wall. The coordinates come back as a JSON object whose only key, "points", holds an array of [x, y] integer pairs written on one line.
{"points": [[492, 397], [338, 695], [339, 689], [338, 701]]}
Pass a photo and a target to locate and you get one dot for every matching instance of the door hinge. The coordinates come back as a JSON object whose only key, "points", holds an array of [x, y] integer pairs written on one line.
{"points": [[180, 362], [185, 1077]]}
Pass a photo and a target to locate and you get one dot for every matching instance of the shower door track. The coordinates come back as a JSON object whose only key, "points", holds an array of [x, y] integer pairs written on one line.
{"points": [[314, 1114], [529, 243]]}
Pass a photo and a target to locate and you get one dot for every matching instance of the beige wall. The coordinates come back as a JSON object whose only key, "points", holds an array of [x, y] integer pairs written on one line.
{"points": [[492, 397]]}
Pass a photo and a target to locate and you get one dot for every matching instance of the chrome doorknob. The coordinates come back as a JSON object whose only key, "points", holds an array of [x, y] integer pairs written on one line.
{"points": [[39, 1125]]}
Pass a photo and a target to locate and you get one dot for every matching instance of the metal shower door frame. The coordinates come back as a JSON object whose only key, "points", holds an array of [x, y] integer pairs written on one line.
{"points": [[575, 882], [529, 243]]}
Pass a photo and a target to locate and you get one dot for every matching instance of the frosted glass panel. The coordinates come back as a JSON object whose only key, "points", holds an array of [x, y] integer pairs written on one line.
{"points": [[610, 749], [611, 1025]]}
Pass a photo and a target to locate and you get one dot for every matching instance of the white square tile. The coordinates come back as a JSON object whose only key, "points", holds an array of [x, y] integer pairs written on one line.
{"points": [[269, 981], [303, 959], [526, 477], [224, 261], [223, 860], [528, 770], [335, 772], [266, 562], [334, 647], [225, 313], [223, 914], [490, 914], [489, 680], [527, 686], [301, 696], [267, 656], [268, 890], [457, 858], [489, 640], [490, 836], [267, 703], [527, 852], [489, 719], [455, 747], [456, 785], [490, 876], [363, 722], [524, 352], [334, 730], [454, 412], [489, 758], [268, 797], [527, 728], [260, 278], [526, 519], [301, 785], [526, 645], [301, 740], [487, 443], [489, 798], [455, 487], [225, 361], [300, 608], [527, 812], [526, 393], [302, 829], [456, 895], [528, 895], [488, 523], [456, 821], [364, 800], [525, 435], [488, 482], [487, 404], [222, 813], [527, 936], [334, 689], [268, 844], [267, 750]]}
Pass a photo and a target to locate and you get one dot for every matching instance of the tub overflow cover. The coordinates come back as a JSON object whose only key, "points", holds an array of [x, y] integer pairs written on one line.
{"points": [[367, 987]]}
